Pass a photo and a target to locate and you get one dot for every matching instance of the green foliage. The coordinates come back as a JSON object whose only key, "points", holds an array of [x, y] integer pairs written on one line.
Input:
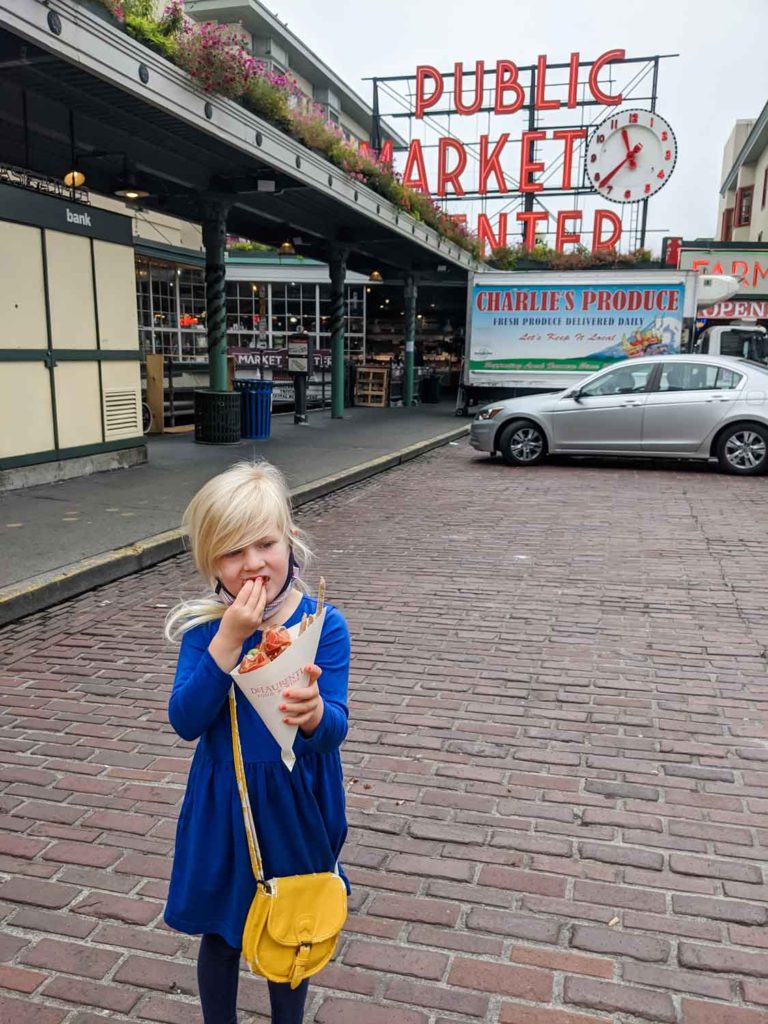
{"points": [[245, 245], [268, 102], [580, 258], [146, 30]]}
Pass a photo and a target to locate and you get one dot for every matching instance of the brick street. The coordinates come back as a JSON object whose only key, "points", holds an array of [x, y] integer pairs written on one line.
{"points": [[556, 766]]}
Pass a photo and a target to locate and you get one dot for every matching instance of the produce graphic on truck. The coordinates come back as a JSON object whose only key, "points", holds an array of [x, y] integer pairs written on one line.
{"points": [[542, 331]]}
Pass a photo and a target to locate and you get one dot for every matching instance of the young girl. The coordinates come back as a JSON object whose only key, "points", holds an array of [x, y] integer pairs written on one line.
{"points": [[244, 544]]}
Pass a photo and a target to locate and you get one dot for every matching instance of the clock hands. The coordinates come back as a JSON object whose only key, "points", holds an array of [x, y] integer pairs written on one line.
{"points": [[625, 137], [629, 158]]}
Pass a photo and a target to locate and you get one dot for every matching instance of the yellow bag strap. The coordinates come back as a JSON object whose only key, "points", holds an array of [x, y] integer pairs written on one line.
{"points": [[245, 803]]}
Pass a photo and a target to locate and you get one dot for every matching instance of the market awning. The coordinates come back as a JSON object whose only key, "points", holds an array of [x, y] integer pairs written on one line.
{"points": [[65, 68]]}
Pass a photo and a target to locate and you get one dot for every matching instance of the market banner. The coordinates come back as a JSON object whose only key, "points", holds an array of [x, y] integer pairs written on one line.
{"points": [[275, 358], [572, 327]]}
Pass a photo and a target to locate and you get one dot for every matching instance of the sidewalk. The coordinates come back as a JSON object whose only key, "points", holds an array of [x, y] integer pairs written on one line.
{"points": [[59, 540]]}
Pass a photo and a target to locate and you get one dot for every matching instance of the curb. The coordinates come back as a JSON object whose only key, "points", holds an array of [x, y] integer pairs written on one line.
{"points": [[51, 588]]}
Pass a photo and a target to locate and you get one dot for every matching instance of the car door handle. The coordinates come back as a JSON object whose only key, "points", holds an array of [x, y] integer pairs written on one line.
{"points": [[632, 402]]}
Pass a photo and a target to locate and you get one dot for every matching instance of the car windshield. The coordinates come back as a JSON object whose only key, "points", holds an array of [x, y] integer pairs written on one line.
{"points": [[748, 345]]}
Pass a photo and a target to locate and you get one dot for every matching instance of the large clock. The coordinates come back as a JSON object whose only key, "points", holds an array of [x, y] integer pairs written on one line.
{"points": [[631, 155]]}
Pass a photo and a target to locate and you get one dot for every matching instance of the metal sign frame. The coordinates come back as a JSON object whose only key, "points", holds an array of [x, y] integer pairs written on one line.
{"points": [[400, 90]]}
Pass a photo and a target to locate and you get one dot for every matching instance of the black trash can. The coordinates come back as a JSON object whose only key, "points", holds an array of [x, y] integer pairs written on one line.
{"points": [[217, 417]]}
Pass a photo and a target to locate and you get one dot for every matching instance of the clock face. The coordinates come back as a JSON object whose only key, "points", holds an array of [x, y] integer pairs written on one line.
{"points": [[631, 155]]}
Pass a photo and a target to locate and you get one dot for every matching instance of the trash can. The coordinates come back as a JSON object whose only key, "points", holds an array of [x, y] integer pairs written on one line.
{"points": [[217, 417], [256, 416]]}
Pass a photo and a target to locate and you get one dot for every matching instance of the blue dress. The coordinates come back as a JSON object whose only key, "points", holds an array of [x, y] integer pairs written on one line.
{"points": [[300, 815]]}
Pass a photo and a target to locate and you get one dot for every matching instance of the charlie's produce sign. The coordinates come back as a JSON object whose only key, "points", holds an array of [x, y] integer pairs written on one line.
{"points": [[537, 327], [546, 131]]}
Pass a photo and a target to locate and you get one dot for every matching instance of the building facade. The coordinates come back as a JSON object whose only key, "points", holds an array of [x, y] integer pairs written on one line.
{"points": [[743, 205]]}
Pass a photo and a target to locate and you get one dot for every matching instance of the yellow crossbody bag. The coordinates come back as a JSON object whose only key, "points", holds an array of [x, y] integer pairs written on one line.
{"points": [[294, 923]]}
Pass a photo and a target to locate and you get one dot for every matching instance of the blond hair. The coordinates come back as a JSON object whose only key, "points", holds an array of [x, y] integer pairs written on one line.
{"points": [[243, 505]]}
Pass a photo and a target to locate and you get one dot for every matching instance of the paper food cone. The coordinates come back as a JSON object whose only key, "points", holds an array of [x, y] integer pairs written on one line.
{"points": [[264, 686]]}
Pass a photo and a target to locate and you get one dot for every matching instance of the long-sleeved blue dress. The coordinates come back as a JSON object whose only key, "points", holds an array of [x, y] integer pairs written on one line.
{"points": [[300, 815]]}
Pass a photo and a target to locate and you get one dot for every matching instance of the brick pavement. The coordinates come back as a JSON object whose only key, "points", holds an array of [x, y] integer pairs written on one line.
{"points": [[556, 769]]}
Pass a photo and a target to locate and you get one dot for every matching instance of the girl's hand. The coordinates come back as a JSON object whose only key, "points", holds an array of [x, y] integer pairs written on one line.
{"points": [[303, 705], [241, 620]]}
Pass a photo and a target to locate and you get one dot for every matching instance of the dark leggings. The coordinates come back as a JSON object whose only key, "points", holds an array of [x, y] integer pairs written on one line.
{"points": [[218, 968]]}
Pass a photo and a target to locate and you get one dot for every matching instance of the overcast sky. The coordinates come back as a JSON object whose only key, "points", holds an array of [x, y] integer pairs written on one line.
{"points": [[720, 76]]}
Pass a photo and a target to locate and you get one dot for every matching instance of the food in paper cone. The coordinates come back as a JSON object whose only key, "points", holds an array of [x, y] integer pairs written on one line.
{"points": [[253, 659], [275, 640], [277, 664]]}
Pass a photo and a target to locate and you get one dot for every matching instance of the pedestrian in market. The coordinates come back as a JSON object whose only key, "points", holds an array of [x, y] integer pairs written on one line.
{"points": [[245, 545]]}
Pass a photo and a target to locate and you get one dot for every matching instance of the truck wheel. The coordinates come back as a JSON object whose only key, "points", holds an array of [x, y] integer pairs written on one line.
{"points": [[523, 443], [743, 449]]}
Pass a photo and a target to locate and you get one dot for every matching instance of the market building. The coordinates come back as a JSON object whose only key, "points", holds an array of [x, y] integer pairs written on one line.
{"points": [[84, 100]]}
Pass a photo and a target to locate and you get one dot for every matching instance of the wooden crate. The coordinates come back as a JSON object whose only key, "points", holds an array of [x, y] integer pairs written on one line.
{"points": [[372, 386]]}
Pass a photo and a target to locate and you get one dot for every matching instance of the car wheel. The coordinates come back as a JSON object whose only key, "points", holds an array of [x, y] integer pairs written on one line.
{"points": [[743, 449], [522, 443]]}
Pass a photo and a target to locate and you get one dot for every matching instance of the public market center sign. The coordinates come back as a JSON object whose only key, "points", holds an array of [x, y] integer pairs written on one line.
{"points": [[574, 141]]}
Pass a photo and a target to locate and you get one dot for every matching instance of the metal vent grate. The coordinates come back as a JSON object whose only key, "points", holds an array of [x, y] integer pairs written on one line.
{"points": [[121, 414]]}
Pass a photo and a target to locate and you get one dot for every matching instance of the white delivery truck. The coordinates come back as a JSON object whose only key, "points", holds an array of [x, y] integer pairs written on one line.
{"points": [[537, 331], [746, 340]]}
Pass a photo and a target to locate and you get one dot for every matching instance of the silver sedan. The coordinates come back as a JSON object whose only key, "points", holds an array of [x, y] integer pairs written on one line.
{"points": [[689, 407]]}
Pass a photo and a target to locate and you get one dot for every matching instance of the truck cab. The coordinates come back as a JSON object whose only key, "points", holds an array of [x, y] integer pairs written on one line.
{"points": [[747, 341]]}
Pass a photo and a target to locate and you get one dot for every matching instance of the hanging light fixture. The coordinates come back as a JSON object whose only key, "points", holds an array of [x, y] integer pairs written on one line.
{"points": [[127, 187], [375, 276], [74, 178], [287, 249]]}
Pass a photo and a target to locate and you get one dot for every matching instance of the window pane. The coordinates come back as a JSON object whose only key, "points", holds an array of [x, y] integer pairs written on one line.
{"points": [[624, 380], [687, 377], [727, 379]]}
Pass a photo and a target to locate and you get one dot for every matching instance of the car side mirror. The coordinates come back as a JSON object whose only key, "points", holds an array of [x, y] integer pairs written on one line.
{"points": [[575, 395]]}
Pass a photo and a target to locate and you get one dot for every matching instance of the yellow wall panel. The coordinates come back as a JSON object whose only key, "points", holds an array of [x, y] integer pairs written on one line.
{"points": [[70, 287], [26, 421], [22, 302], [116, 295], [78, 404], [121, 375]]}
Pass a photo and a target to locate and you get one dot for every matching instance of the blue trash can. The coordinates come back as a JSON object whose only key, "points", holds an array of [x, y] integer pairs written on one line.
{"points": [[256, 413]]}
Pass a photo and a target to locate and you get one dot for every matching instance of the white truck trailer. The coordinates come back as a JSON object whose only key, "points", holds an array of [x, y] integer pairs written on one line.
{"points": [[534, 331]]}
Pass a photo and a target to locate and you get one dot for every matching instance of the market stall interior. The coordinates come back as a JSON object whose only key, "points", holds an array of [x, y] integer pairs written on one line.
{"points": [[439, 343]]}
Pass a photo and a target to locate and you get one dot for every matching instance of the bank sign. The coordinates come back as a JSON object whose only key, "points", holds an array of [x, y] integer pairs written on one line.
{"points": [[585, 328]]}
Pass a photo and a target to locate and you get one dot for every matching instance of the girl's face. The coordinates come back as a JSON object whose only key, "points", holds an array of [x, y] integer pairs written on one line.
{"points": [[267, 558]]}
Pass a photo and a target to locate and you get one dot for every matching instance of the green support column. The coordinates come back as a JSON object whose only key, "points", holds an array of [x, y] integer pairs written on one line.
{"points": [[411, 291], [214, 239], [338, 270]]}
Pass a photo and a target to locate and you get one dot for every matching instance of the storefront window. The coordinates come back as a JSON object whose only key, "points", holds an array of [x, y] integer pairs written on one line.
{"points": [[172, 319], [171, 309], [354, 320], [247, 314]]}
